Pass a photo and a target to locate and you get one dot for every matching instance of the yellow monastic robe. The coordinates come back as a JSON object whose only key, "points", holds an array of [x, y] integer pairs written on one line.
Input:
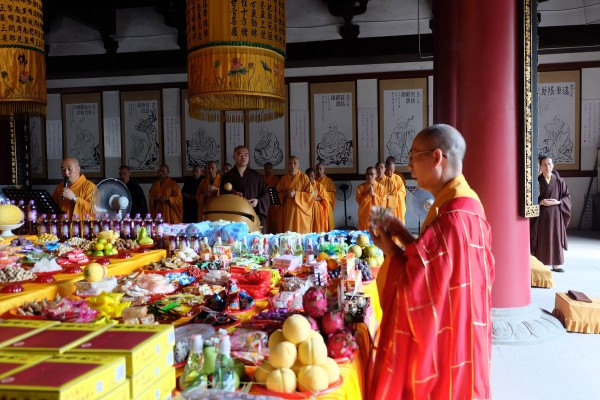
{"points": [[320, 209], [366, 202], [390, 190], [273, 214], [83, 189], [172, 212], [330, 190], [398, 203], [201, 196], [296, 212]]}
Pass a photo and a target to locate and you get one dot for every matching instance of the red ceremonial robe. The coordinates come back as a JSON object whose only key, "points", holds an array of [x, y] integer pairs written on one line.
{"points": [[435, 336]]}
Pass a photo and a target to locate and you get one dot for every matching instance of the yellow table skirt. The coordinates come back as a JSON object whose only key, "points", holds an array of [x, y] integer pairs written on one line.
{"points": [[65, 283], [541, 276], [577, 316]]}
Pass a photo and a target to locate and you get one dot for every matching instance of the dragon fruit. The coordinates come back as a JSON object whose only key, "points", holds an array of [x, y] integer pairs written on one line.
{"points": [[314, 302], [332, 322], [341, 344], [314, 325]]}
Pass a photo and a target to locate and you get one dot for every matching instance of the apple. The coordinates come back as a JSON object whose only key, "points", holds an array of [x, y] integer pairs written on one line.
{"points": [[99, 253], [99, 246]]}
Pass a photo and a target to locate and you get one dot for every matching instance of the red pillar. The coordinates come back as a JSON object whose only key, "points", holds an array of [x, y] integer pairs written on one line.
{"points": [[485, 52], [445, 48]]}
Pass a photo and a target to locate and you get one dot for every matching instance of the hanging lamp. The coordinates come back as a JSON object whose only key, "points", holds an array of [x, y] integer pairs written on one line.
{"points": [[22, 58], [236, 57]]}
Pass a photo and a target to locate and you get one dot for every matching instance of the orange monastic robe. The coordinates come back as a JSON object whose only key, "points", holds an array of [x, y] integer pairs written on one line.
{"points": [[398, 203], [330, 189], [273, 214], [436, 333], [172, 212], [201, 196], [83, 189], [296, 212], [320, 209], [366, 202], [390, 189]]}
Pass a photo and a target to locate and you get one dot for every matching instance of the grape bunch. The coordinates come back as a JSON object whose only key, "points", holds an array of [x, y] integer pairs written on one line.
{"points": [[365, 269], [334, 273]]}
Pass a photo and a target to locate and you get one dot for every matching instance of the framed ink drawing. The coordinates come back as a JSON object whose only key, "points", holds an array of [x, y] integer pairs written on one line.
{"points": [[402, 114], [267, 142], [202, 141], [82, 128], [141, 131], [559, 106], [333, 126], [37, 147]]}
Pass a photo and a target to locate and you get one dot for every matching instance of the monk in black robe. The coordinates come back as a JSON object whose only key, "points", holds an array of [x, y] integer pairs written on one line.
{"points": [[549, 230], [189, 189], [139, 205], [248, 183]]}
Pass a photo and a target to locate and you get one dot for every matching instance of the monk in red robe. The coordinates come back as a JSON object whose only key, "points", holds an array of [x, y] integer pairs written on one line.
{"points": [[436, 332], [166, 198], [74, 194], [297, 198]]}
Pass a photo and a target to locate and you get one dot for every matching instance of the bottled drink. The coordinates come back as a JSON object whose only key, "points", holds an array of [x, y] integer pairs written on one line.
{"points": [[288, 247], [116, 223], [42, 224], [265, 249], [309, 253], [218, 246], [86, 227], [223, 378], [64, 228], [53, 225], [32, 219], [193, 373], [75, 226], [256, 247], [158, 232], [148, 223], [137, 225], [206, 253], [244, 247], [105, 223], [21, 229], [195, 242], [182, 238], [96, 225], [127, 227], [275, 252]]}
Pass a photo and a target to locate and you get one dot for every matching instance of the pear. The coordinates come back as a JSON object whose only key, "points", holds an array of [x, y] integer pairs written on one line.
{"points": [[142, 234], [146, 240]]}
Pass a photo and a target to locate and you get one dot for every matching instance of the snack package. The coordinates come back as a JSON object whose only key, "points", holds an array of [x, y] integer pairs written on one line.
{"points": [[249, 345]]}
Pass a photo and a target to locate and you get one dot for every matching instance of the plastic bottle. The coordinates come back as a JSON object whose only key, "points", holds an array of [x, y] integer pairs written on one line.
{"points": [[64, 228], [193, 373], [116, 223], [137, 225], [75, 226], [96, 225], [299, 249], [32, 219], [127, 227], [42, 224], [158, 231], [182, 238], [275, 252], [256, 248], [86, 227], [53, 225], [223, 377], [105, 223], [244, 247], [148, 223], [265, 247], [206, 252], [309, 252]]}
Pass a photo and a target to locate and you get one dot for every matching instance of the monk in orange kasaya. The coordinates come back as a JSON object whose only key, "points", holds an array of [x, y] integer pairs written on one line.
{"points": [[330, 191], [297, 198], [166, 198], [321, 204], [74, 194]]}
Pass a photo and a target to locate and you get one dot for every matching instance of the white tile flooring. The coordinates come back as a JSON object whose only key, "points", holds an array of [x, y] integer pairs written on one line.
{"points": [[565, 368]]}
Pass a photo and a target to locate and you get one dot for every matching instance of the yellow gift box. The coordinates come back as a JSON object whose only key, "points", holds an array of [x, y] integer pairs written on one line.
{"points": [[13, 330], [11, 361], [161, 365], [162, 388], [68, 377], [58, 339], [120, 393], [140, 344]]}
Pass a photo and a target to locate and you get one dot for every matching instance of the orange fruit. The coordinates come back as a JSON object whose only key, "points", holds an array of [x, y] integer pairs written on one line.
{"points": [[322, 256], [332, 263]]}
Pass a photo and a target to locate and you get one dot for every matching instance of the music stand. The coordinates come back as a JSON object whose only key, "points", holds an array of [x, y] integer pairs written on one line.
{"points": [[274, 196], [43, 200]]}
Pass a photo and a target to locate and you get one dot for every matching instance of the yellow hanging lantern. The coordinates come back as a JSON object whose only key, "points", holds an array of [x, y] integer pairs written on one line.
{"points": [[22, 58], [236, 56]]}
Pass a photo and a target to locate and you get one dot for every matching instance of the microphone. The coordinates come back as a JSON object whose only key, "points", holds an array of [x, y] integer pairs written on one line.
{"points": [[65, 184]]}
